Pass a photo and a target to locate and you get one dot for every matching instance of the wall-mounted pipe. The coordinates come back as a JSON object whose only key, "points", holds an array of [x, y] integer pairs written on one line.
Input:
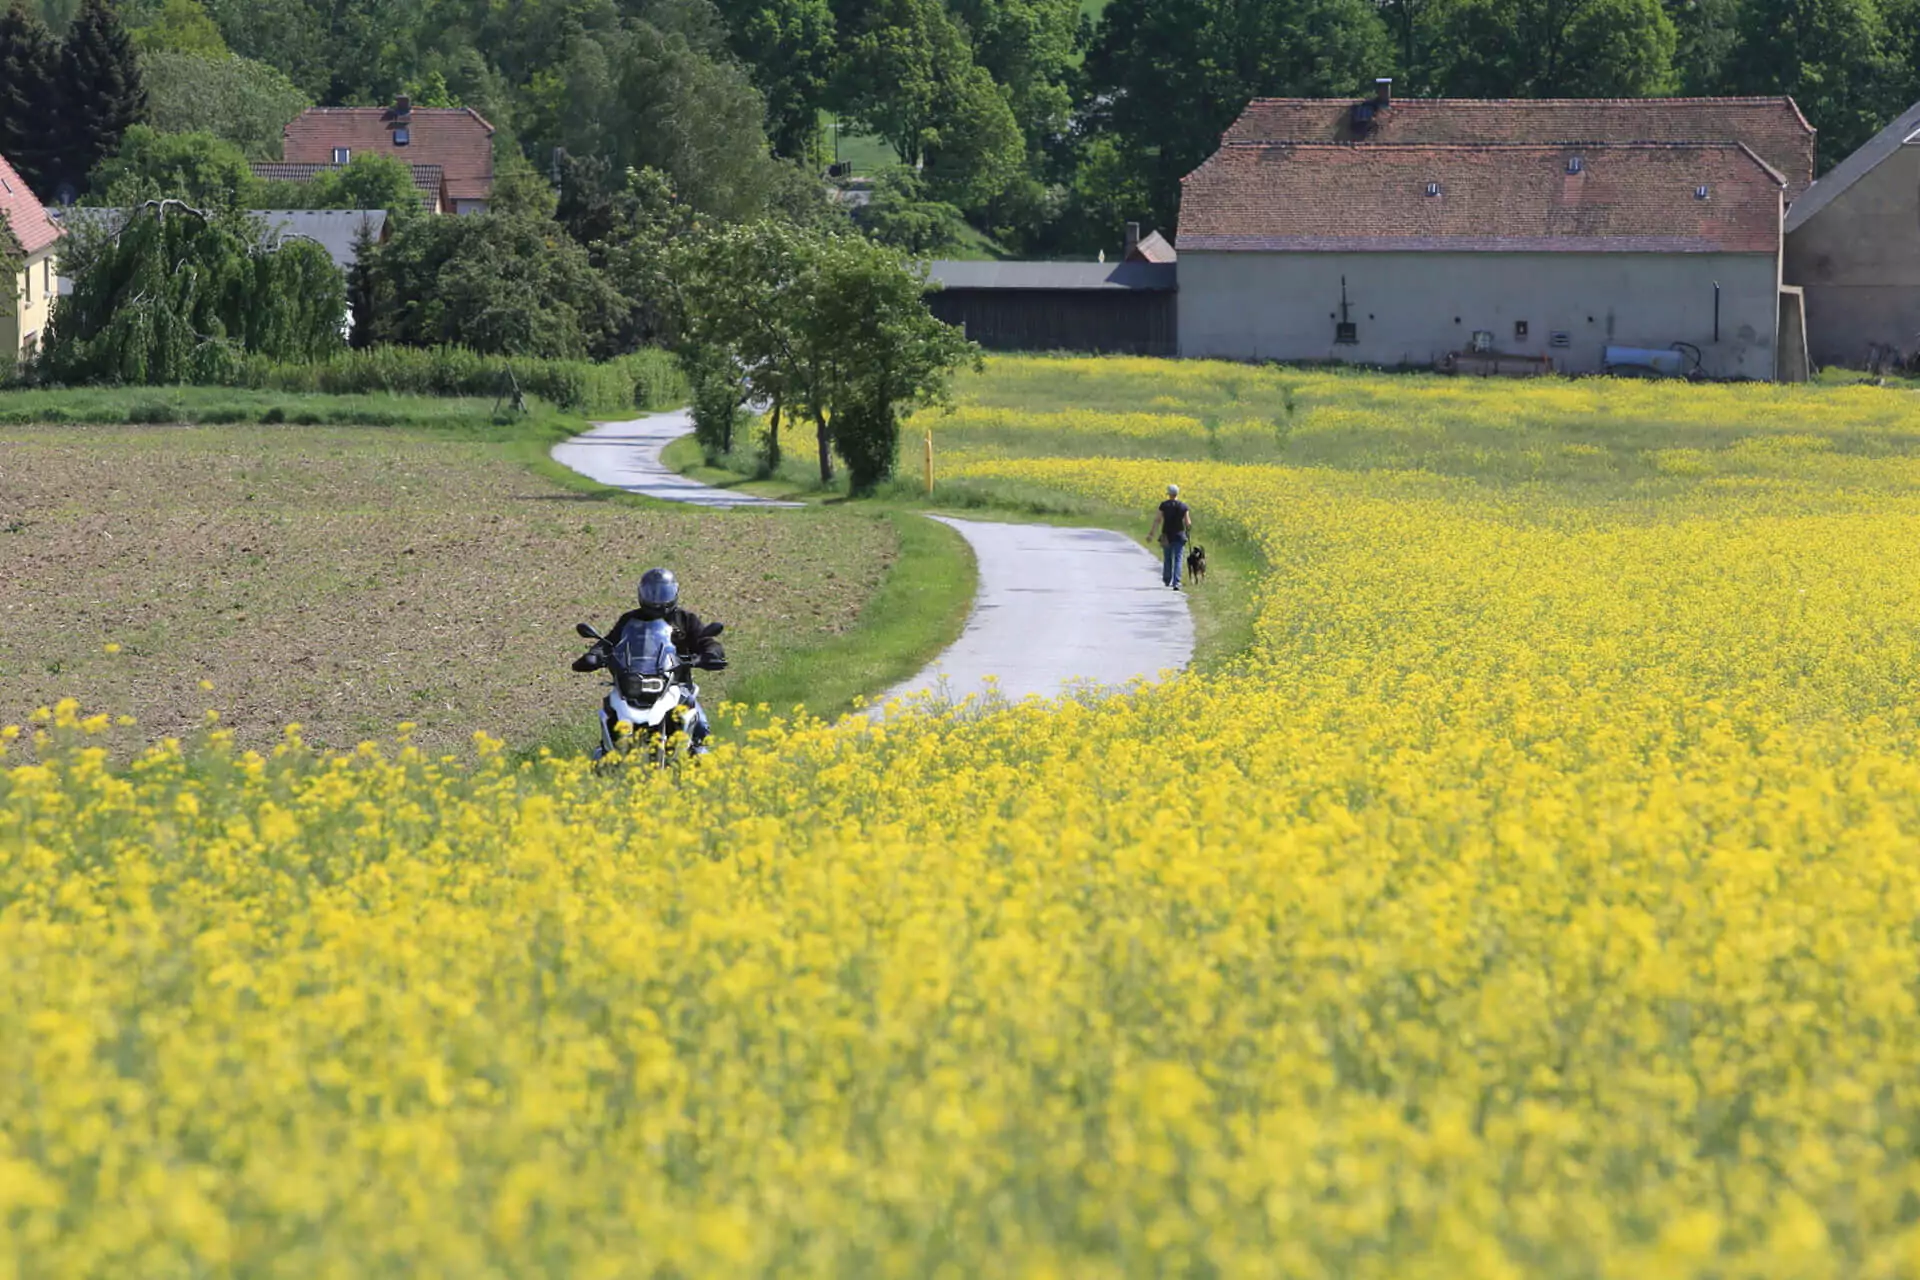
{"points": [[1716, 311]]}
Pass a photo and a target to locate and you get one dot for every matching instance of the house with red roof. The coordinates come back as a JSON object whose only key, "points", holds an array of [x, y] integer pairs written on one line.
{"points": [[35, 237], [1565, 235], [449, 149]]}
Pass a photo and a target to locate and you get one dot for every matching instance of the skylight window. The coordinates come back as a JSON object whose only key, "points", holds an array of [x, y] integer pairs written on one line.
{"points": [[1433, 188], [1575, 164], [1700, 193], [402, 136], [342, 154]]}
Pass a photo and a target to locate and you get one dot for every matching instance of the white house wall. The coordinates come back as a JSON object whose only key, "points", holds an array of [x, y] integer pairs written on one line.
{"points": [[1413, 308], [1858, 259]]}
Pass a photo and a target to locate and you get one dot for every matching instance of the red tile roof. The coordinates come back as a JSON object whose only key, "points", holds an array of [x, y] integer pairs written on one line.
{"points": [[26, 216], [459, 140], [1772, 127], [1634, 197], [1153, 248]]}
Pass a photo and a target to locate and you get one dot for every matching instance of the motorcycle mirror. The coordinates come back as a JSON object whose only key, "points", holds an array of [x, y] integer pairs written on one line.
{"points": [[712, 629], [585, 632]]}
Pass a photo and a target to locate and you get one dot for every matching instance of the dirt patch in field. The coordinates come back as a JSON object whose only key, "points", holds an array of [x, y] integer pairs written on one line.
{"points": [[349, 579]]}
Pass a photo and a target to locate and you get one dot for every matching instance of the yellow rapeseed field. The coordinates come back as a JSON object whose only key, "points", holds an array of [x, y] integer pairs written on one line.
{"points": [[1539, 896]]}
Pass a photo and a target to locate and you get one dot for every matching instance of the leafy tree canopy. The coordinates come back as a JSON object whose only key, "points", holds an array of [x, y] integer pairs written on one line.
{"points": [[179, 295], [180, 26], [244, 102], [499, 284]]}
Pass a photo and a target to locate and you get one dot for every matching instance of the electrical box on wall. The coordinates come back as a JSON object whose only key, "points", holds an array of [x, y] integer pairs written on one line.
{"points": [[1346, 333]]}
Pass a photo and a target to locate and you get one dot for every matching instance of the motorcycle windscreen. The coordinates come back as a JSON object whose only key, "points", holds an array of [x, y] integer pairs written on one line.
{"points": [[644, 649]]}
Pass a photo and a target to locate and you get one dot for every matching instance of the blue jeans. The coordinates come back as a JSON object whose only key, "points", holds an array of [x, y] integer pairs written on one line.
{"points": [[1174, 559]]}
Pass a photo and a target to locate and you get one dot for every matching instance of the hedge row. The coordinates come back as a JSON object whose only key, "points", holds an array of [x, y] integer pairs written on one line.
{"points": [[648, 379]]}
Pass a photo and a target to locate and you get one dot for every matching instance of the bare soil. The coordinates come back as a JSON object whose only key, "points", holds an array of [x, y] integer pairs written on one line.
{"points": [[349, 579]]}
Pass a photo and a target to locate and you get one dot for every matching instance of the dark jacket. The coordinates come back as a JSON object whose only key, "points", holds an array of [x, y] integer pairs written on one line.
{"points": [[686, 629]]}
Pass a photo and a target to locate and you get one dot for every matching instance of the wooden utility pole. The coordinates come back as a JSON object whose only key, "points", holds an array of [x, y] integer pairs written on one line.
{"points": [[929, 462]]}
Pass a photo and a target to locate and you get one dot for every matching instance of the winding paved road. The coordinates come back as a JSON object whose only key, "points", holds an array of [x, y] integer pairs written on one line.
{"points": [[626, 455], [1056, 608]]}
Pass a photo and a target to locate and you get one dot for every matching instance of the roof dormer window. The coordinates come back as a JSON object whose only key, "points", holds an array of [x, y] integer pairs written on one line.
{"points": [[342, 155]]}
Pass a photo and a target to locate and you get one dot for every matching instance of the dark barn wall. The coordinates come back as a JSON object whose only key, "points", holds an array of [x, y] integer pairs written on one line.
{"points": [[1132, 322]]}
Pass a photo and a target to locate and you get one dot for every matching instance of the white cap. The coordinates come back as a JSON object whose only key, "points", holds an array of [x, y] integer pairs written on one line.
{"points": [[1173, 491]]}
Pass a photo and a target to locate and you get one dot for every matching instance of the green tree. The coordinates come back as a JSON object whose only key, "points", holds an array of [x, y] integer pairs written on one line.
{"points": [[180, 26], [886, 354], [901, 216], [643, 97], [1704, 35], [1553, 48], [1830, 55], [29, 97], [497, 284], [245, 102], [101, 90], [368, 181], [909, 76], [1030, 48], [788, 48], [177, 295], [204, 171], [1166, 77], [830, 328]]}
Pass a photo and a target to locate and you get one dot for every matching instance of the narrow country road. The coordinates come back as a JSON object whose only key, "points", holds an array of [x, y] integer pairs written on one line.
{"points": [[1056, 608], [626, 455]]}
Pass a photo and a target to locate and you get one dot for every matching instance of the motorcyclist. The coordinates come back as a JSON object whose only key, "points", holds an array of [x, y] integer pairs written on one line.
{"points": [[660, 601]]}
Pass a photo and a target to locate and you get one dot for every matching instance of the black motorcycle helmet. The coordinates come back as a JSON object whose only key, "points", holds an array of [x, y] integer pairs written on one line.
{"points": [[658, 591]]}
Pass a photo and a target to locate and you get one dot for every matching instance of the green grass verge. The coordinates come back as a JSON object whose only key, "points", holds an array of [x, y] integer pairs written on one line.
{"points": [[219, 406], [918, 612]]}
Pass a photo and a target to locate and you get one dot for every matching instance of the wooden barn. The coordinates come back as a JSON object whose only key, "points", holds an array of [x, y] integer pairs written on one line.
{"points": [[1124, 307]]}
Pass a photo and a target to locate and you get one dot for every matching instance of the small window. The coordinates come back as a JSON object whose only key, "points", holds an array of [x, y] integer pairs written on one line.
{"points": [[1346, 333], [1575, 164], [401, 137], [29, 285], [342, 155], [1700, 193], [1519, 328], [1433, 188]]}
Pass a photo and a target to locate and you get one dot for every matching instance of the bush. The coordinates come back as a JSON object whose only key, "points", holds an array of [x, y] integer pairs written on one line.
{"points": [[644, 380]]}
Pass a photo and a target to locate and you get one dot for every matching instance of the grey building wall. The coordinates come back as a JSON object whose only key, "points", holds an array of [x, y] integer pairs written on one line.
{"points": [[1411, 308], [1858, 258]]}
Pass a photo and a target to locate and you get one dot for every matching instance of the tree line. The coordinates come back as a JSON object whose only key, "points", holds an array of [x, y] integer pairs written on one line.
{"points": [[1022, 119]]}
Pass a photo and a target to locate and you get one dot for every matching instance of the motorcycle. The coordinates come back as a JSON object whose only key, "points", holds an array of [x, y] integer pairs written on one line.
{"points": [[653, 700]]}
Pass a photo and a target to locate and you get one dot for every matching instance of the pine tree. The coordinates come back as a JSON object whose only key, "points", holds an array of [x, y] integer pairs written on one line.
{"points": [[29, 105], [100, 88]]}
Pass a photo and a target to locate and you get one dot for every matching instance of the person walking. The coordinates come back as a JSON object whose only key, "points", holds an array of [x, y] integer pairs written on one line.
{"points": [[1171, 524]]}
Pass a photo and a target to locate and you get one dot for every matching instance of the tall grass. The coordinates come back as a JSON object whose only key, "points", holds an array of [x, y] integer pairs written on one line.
{"points": [[648, 379]]}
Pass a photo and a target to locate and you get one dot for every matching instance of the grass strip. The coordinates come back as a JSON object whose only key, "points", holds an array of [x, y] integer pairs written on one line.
{"points": [[918, 612]]}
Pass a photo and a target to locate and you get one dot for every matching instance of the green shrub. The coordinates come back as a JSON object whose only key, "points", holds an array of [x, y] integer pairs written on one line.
{"points": [[644, 380]]}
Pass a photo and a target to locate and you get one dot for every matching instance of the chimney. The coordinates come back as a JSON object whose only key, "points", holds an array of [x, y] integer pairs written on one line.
{"points": [[403, 106], [1133, 241], [1383, 92]]}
